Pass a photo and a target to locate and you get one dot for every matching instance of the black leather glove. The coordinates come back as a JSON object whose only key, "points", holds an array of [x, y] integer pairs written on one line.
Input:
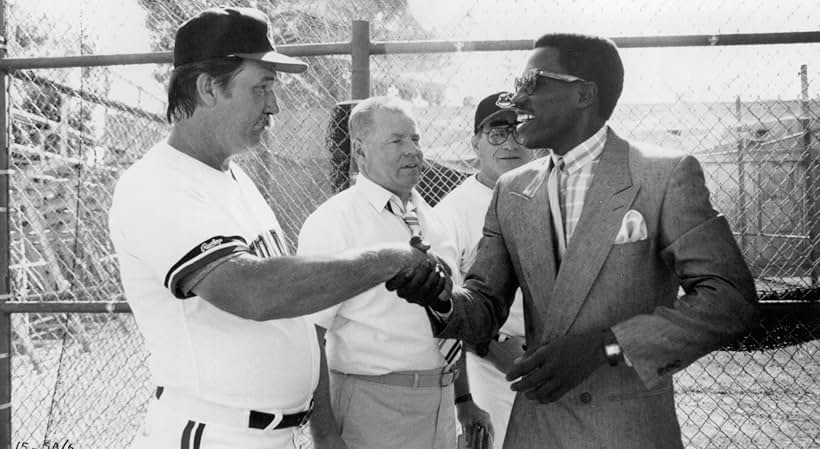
{"points": [[429, 288], [428, 284], [482, 349]]}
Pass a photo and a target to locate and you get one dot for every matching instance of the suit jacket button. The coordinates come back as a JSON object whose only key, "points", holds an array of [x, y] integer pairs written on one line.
{"points": [[586, 398]]}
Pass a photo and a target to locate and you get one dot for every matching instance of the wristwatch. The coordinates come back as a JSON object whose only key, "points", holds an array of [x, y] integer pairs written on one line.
{"points": [[612, 349]]}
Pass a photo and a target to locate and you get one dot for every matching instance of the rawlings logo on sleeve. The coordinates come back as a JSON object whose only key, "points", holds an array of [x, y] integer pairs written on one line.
{"points": [[200, 256], [210, 244]]}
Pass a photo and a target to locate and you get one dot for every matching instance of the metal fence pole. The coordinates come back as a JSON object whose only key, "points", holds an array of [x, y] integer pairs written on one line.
{"points": [[5, 241], [359, 72], [741, 177], [360, 60], [812, 173]]}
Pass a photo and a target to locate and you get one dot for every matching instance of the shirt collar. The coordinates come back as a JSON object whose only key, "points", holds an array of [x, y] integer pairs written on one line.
{"points": [[586, 152], [378, 196], [193, 167]]}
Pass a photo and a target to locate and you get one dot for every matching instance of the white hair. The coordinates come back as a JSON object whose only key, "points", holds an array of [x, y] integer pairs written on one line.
{"points": [[361, 117]]}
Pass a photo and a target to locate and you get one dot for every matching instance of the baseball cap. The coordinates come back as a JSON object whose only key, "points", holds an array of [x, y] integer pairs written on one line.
{"points": [[222, 31], [487, 110]]}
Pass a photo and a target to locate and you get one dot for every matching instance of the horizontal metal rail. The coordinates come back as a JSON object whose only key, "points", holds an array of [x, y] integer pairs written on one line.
{"points": [[96, 99], [65, 307], [405, 47], [89, 295], [767, 306], [684, 40], [711, 40], [165, 57]]}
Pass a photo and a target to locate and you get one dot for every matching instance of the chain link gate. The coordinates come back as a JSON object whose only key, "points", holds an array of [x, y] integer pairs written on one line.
{"points": [[81, 377]]}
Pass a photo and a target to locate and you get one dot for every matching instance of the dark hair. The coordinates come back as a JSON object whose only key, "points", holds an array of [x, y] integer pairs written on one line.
{"points": [[593, 58], [182, 96]]}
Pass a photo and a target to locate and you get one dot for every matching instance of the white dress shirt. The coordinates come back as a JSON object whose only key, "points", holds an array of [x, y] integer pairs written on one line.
{"points": [[376, 332]]}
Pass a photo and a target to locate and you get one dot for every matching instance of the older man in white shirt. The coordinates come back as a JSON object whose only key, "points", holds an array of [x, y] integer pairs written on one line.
{"points": [[390, 384]]}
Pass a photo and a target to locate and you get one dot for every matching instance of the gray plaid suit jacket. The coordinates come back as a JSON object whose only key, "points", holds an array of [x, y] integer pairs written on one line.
{"points": [[632, 288]]}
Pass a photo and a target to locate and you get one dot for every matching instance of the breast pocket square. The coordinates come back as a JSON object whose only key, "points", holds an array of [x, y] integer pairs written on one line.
{"points": [[633, 228]]}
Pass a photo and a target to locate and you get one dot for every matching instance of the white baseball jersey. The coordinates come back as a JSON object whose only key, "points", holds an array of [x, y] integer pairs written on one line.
{"points": [[171, 216], [463, 211]]}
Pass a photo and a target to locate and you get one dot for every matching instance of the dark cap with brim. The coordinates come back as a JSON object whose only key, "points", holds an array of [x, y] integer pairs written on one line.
{"points": [[221, 32], [487, 111]]}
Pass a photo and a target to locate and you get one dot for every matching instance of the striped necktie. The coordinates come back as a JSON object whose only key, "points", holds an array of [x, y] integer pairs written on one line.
{"points": [[408, 214], [450, 348]]}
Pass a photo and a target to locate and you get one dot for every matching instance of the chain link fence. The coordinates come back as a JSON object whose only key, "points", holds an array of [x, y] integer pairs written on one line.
{"points": [[748, 112]]}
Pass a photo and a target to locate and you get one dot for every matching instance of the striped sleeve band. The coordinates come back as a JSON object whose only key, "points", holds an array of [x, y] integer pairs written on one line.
{"points": [[203, 254]]}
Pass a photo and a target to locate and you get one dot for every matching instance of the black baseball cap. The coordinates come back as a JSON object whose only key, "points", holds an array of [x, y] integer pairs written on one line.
{"points": [[222, 31], [487, 111]]}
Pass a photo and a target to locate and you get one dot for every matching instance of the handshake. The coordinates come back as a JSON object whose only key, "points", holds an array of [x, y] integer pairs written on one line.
{"points": [[427, 284]]}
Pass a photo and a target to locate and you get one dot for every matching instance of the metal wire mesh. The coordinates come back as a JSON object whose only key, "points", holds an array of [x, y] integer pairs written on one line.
{"points": [[752, 124]]}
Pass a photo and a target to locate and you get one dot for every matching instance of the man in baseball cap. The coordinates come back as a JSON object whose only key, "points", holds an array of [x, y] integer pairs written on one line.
{"points": [[205, 266]]}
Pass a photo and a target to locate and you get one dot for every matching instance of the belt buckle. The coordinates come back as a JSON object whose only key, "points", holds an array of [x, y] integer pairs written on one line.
{"points": [[274, 423], [447, 378]]}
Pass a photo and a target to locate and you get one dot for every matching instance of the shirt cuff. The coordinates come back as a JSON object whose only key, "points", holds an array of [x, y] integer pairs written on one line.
{"points": [[623, 354]]}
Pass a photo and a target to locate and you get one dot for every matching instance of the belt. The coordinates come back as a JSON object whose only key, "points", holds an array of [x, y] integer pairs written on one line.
{"points": [[255, 419], [412, 379]]}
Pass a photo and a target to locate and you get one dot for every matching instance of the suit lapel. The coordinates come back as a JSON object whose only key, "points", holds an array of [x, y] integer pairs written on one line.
{"points": [[536, 244], [608, 199]]}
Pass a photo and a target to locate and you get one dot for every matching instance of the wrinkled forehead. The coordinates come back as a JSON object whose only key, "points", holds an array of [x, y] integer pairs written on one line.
{"points": [[393, 121]]}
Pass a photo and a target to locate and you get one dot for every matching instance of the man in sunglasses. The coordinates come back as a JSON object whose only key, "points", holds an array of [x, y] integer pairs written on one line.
{"points": [[499, 150], [599, 236]]}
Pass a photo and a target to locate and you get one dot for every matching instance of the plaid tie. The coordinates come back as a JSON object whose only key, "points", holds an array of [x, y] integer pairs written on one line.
{"points": [[553, 188], [450, 348]]}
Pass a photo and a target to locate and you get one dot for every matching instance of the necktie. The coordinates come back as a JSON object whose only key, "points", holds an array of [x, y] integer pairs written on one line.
{"points": [[408, 214], [450, 348], [553, 186]]}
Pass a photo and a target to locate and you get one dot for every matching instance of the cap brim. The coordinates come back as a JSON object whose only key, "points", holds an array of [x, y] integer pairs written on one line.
{"points": [[280, 62], [497, 114]]}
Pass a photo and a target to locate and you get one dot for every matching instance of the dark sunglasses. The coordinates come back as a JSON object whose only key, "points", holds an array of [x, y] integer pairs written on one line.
{"points": [[528, 80]]}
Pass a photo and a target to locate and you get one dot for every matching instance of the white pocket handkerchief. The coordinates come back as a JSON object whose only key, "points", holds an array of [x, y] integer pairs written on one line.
{"points": [[633, 228]]}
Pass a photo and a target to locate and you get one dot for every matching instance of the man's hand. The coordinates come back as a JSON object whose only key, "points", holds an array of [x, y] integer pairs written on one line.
{"points": [[550, 371], [476, 426], [502, 354], [427, 284]]}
